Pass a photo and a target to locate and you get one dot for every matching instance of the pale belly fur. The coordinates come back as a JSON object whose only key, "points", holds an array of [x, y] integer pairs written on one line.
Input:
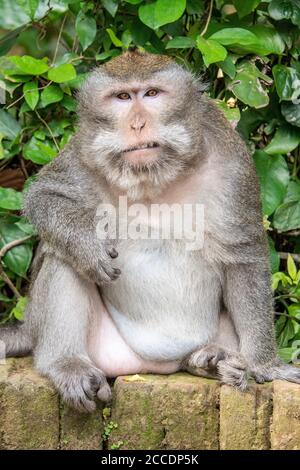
{"points": [[164, 304]]}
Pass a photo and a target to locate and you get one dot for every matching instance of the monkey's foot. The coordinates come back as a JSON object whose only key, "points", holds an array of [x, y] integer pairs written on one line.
{"points": [[276, 371], [215, 362], [233, 371], [207, 357], [79, 382]]}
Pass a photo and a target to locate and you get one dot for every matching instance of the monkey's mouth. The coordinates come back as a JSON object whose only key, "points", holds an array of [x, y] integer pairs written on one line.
{"points": [[142, 154], [148, 145]]}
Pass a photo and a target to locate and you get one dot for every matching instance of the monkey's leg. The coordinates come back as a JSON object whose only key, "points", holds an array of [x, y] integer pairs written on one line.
{"points": [[220, 359], [248, 298], [17, 340], [62, 304]]}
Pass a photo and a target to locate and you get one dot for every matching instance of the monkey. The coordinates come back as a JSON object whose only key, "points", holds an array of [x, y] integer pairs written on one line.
{"points": [[100, 307]]}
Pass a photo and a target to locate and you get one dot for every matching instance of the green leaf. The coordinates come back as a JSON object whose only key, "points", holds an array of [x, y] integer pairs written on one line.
{"points": [[257, 39], [12, 16], [17, 259], [62, 73], [228, 67], [285, 10], [287, 82], [181, 42], [51, 94], [273, 256], [9, 126], [19, 310], [286, 354], [111, 6], [245, 7], [287, 216], [291, 267], [273, 175], [293, 192], [133, 2], [228, 36], [291, 113], [211, 50], [10, 199], [286, 139], [247, 85], [38, 152], [116, 42], [140, 32], [31, 94], [29, 6], [69, 103], [86, 29], [232, 114], [268, 40], [161, 12], [27, 65]]}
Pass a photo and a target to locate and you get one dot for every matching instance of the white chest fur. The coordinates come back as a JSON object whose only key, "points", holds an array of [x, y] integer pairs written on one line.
{"points": [[167, 299]]}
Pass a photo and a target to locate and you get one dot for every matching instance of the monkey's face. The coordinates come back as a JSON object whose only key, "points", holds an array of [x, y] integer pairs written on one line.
{"points": [[139, 129]]}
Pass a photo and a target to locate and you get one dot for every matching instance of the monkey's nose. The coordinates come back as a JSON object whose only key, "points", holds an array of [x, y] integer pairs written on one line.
{"points": [[138, 125]]}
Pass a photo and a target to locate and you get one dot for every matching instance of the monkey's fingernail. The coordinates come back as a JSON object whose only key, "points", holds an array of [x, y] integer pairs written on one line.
{"points": [[117, 271], [113, 253]]}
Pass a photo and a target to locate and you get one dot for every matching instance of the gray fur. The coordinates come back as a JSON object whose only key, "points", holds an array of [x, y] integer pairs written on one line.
{"points": [[165, 301]]}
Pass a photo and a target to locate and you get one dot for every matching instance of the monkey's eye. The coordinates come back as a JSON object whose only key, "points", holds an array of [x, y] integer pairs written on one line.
{"points": [[151, 92], [123, 96]]}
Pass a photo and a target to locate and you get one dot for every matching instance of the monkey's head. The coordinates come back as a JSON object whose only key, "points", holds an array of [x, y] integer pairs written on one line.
{"points": [[138, 120]]}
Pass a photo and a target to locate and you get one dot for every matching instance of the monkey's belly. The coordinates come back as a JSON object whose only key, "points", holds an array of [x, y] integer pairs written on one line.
{"points": [[113, 355], [166, 303]]}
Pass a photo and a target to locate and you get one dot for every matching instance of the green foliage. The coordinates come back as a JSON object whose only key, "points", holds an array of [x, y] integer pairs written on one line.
{"points": [[246, 50]]}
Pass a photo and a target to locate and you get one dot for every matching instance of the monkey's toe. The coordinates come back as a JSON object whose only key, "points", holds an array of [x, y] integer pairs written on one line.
{"points": [[207, 357], [80, 383], [232, 371]]}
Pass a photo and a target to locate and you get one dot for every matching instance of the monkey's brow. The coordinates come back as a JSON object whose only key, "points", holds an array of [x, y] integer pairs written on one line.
{"points": [[132, 89]]}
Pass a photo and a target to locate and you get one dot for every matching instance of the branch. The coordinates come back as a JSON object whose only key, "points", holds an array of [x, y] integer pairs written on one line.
{"points": [[3, 275], [208, 18]]}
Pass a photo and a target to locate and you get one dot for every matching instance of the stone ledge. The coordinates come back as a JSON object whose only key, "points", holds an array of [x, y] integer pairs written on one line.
{"points": [[148, 412]]}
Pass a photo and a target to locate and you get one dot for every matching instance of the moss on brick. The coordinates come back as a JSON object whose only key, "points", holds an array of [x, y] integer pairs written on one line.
{"points": [[285, 431], [166, 412], [81, 431], [245, 417], [29, 409]]}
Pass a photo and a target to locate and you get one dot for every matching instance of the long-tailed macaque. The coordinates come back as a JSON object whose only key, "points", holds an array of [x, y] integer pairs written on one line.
{"points": [[107, 306]]}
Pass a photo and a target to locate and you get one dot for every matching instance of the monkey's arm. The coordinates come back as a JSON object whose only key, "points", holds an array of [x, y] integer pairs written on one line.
{"points": [[62, 206], [248, 298]]}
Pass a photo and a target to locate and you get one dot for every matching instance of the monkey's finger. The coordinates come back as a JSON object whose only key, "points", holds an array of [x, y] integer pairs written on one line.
{"points": [[113, 273], [112, 252]]}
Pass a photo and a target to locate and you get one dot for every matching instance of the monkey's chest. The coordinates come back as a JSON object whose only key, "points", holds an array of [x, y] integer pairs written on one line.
{"points": [[166, 302]]}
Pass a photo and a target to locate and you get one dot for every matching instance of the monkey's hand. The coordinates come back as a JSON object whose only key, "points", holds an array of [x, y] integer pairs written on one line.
{"points": [[94, 261]]}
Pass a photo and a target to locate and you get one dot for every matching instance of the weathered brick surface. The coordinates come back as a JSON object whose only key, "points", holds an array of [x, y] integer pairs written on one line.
{"points": [[80, 431], [245, 418], [149, 412], [29, 410], [166, 412], [285, 430]]}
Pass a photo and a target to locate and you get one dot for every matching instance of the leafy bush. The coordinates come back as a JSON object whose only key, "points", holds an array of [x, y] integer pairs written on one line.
{"points": [[247, 52]]}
